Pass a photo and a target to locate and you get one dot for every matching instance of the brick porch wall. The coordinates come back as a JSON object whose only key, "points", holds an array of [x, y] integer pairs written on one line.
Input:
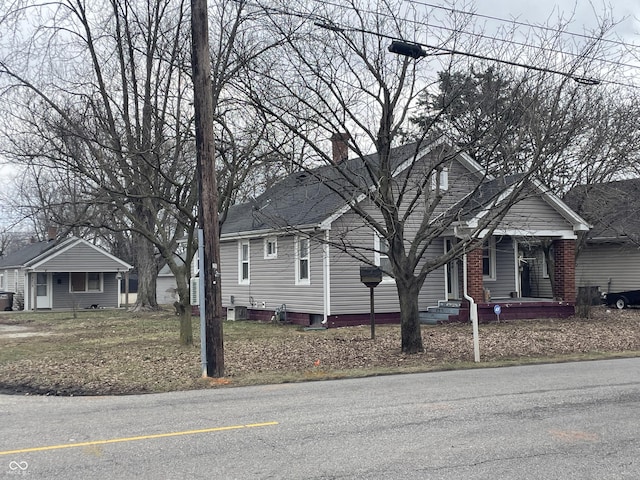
{"points": [[475, 284], [565, 270]]}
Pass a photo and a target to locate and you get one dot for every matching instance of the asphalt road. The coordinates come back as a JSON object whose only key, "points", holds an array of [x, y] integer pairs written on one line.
{"points": [[564, 421]]}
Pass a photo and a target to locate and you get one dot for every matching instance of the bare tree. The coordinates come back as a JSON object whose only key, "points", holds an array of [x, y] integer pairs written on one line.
{"points": [[101, 97], [100, 100], [342, 79]]}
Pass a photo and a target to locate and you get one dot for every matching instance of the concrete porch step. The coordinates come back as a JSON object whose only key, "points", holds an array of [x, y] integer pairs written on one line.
{"points": [[450, 303], [447, 310]]}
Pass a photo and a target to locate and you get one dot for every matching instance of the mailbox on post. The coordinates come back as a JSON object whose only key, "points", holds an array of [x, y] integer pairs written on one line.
{"points": [[371, 277]]}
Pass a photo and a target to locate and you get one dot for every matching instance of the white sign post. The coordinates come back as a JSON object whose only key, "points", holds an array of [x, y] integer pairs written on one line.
{"points": [[497, 309]]}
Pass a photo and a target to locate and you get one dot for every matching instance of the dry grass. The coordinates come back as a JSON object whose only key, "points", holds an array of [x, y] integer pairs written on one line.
{"points": [[115, 352]]}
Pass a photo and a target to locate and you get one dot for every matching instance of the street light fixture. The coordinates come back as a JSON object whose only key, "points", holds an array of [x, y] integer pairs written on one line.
{"points": [[407, 49]]}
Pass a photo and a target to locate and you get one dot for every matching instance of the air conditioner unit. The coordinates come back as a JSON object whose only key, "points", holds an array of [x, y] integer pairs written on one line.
{"points": [[194, 291], [236, 313]]}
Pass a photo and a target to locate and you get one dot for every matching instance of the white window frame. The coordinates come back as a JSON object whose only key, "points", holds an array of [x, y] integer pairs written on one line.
{"points": [[490, 246], [100, 288], [2, 281], [273, 241], [443, 174], [242, 261], [299, 259], [378, 256], [545, 269]]}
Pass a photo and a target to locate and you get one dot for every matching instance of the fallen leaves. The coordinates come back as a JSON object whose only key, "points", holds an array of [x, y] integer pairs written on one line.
{"points": [[97, 363]]}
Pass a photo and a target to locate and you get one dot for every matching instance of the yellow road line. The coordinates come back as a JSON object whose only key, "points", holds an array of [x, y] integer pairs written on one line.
{"points": [[135, 439]]}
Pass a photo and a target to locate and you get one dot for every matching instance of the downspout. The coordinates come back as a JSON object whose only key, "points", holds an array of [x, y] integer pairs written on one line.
{"points": [[33, 294], [473, 310], [326, 280], [119, 282], [518, 279]]}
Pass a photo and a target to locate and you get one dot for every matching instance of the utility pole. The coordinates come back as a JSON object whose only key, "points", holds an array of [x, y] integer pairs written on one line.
{"points": [[207, 186]]}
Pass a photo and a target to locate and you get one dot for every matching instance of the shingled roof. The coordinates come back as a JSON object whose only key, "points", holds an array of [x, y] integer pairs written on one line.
{"points": [[307, 198], [27, 254], [612, 208]]}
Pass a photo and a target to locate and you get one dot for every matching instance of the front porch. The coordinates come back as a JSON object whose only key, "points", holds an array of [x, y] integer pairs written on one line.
{"points": [[510, 272]]}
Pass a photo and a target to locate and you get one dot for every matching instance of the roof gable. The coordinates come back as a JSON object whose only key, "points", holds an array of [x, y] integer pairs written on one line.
{"points": [[70, 254], [493, 192]]}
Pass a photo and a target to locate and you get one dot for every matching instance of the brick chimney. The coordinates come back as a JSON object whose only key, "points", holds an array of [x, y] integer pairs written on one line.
{"points": [[52, 233], [340, 147]]}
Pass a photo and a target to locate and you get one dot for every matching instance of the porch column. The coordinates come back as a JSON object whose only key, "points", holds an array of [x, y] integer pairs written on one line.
{"points": [[475, 283], [564, 274]]}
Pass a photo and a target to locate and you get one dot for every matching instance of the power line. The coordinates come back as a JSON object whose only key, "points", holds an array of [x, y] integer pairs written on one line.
{"points": [[331, 25], [523, 24], [497, 39]]}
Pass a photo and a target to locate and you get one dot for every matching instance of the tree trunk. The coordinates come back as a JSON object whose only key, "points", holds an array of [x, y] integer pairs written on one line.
{"points": [[147, 273], [183, 309], [408, 290]]}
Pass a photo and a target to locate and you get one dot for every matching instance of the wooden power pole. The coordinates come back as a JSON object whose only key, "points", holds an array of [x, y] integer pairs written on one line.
{"points": [[207, 186]]}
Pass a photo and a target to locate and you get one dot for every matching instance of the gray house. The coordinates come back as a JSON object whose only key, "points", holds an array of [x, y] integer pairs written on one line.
{"points": [[62, 274], [609, 255], [280, 255]]}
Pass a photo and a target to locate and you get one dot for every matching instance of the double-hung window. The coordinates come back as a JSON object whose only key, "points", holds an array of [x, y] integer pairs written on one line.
{"points": [[381, 256], [302, 256], [244, 259], [489, 259], [86, 282]]}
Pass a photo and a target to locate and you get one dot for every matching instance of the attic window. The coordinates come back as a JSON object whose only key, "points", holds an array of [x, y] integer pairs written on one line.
{"points": [[440, 179]]}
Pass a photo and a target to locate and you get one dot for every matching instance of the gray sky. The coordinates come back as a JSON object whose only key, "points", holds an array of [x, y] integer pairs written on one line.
{"points": [[582, 13]]}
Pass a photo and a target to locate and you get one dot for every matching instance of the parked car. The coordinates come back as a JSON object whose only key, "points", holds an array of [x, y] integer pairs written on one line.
{"points": [[622, 300]]}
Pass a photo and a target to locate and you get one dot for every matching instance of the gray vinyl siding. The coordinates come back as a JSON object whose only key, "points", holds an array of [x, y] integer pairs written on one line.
{"points": [[13, 280], [505, 281], [612, 267], [63, 298], [348, 294], [80, 258], [434, 288], [534, 213], [460, 182], [272, 280]]}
